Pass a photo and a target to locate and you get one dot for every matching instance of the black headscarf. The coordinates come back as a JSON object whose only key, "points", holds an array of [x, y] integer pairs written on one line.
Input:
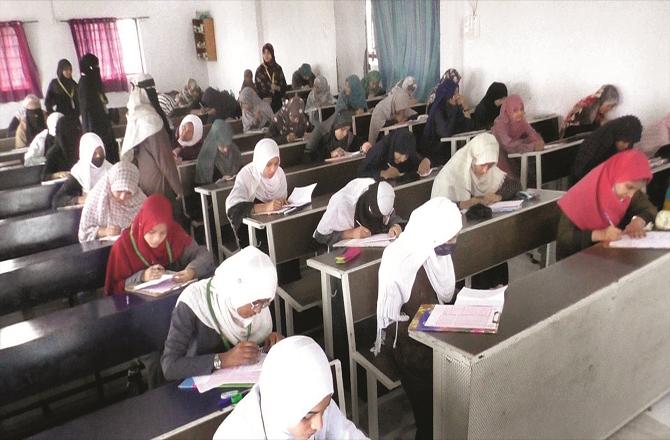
{"points": [[61, 94], [68, 83], [63, 154], [89, 66], [224, 104], [402, 142], [271, 49], [367, 211], [35, 123], [340, 120], [487, 111]]}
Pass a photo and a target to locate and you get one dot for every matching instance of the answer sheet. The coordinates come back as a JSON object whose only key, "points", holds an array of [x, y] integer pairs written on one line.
{"points": [[653, 240]]}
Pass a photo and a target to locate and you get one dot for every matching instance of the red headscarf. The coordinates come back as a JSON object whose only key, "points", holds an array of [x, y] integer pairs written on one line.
{"points": [[131, 253], [592, 203]]}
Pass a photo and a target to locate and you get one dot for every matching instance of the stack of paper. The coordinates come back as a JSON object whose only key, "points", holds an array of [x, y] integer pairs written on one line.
{"points": [[236, 376], [653, 240], [160, 286], [507, 206], [477, 297], [301, 196], [347, 155], [377, 240]]}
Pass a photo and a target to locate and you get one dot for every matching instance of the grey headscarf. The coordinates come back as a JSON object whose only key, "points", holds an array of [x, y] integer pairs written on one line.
{"points": [[209, 157], [320, 96]]}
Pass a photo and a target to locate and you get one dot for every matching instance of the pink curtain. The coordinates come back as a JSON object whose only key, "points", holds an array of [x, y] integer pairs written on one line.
{"points": [[100, 37], [18, 72]]}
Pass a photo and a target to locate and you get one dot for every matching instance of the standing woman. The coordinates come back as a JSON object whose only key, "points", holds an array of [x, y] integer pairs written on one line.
{"points": [[319, 96], [394, 109], [220, 322], [152, 244], [450, 75], [514, 133], [352, 97], [63, 154], [488, 108], [32, 121], [616, 135], [290, 123], [417, 269], [372, 84], [61, 94], [591, 112], [393, 156], [606, 204], [256, 113], [219, 158], [147, 83], [303, 77], [42, 143], [189, 138], [93, 105], [269, 79], [112, 203]]}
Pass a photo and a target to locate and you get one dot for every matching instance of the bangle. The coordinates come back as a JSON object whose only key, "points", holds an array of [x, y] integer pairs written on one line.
{"points": [[217, 362]]}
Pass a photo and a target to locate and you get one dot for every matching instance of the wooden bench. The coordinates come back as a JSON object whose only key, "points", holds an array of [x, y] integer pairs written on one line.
{"points": [[27, 199], [7, 144], [15, 155], [18, 176]]}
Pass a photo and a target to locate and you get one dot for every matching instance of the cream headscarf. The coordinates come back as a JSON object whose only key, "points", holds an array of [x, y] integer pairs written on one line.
{"points": [[458, 182], [247, 276], [143, 121], [430, 225], [197, 130], [84, 171]]}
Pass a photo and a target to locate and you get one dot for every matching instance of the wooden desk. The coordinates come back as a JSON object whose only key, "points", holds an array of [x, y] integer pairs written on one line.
{"points": [[458, 140], [13, 156], [18, 176], [581, 349], [27, 199], [7, 144], [326, 112], [247, 141], [557, 158]]}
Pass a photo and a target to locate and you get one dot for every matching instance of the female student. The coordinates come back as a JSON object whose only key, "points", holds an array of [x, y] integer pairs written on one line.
{"points": [[112, 203], [372, 84], [220, 322], [63, 154], [93, 105], [32, 121], [61, 94], [318, 97], [292, 399], [219, 157], [223, 105], [260, 186], [418, 260], [606, 204], [352, 97], [248, 80], [303, 77], [269, 79], [85, 174], [514, 133], [256, 113], [395, 108], [361, 209], [290, 123], [654, 137], [408, 84], [189, 138], [591, 112], [393, 156], [616, 135], [333, 138], [449, 75], [152, 244], [42, 143], [148, 145], [488, 108]]}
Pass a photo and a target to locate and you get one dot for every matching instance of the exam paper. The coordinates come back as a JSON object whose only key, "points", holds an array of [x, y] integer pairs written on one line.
{"points": [[507, 206], [244, 374], [347, 155], [377, 240], [301, 196], [653, 240]]}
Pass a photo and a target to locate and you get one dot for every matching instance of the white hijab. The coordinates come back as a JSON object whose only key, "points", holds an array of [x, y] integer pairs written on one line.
{"points": [[197, 130], [430, 225], [250, 183], [36, 150], [143, 121], [457, 180], [84, 171], [341, 210], [295, 378], [247, 276]]}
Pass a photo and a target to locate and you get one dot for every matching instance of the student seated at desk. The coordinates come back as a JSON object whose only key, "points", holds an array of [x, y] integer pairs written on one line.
{"points": [[85, 174], [290, 122], [606, 204], [333, 138], [112, 203], [292, 399], [303, 77], [152, 244], [428, 241], [62, 156], [488, 108], [654, 137], [220, 322], [409, 85], [31, 121], [450, 74], [189, 138], [616, 135], [372, 84], [248, 80], [256, 113], [221, 105], [393, 156], [360, 209], [352, 97], [42, 143], [219, 158], [319, 96], [394, 109], [591, 112], [514, 133]]}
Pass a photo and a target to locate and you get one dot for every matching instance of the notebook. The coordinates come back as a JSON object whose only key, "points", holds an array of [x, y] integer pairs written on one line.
{"points": [[506, 206], [236, 377], [301, 196], [377, 240]]}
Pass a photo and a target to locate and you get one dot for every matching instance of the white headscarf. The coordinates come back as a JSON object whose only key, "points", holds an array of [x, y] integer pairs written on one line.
{"points": [[143, 121], [36, 150], [457, 180], [52, 122], [84, 171], [247, 276], [341, 210], [250, 183], [430, 225], [197, 130], [295, 378], [408, 84]]}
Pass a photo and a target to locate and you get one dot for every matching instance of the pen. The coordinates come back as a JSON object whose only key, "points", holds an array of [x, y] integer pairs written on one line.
{"points": [[290, 210], [609, 219]]}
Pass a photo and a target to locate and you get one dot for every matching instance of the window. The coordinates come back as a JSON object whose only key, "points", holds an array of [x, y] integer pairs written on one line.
{"points": [[131, 46], [18, 72], [373, 61]]}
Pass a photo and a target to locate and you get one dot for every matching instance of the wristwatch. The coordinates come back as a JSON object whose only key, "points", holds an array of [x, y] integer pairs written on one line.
{"points": [[217, 362]]}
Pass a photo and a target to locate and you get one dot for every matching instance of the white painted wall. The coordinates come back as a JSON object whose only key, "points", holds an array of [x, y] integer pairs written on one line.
{"points": [[350, 40], [555, 52], [167, 38]]}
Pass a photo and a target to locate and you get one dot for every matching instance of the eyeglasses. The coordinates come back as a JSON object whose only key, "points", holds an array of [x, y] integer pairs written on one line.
{"points": [[259, 305]]}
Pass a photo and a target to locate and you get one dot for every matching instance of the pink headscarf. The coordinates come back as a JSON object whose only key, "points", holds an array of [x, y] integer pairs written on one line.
{"points": [[513, 137], [591, 204]]}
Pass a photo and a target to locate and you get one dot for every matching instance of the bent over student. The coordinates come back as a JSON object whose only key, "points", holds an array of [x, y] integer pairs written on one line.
{"points": [[152, 244], [293, 399], [393, 156], [333, 138], [220, 322], [360, 209]]}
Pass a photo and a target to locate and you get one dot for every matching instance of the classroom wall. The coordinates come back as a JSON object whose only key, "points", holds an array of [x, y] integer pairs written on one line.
{"points": [[555, 52], [169, 51], [350, 40]]}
